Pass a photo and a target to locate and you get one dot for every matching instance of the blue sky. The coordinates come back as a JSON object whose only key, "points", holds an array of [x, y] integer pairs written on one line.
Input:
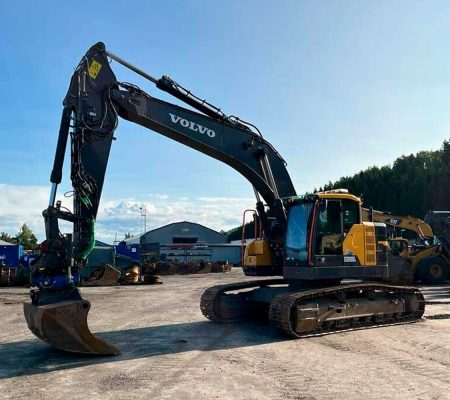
{"points": [[336, 86]]}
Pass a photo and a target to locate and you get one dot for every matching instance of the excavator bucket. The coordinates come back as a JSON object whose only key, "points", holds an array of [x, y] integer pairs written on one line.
{"points": [[106, 276], [64, 325]]}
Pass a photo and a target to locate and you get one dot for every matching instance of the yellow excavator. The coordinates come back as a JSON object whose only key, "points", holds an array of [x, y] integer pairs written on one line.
{"points": [[312, 243], [427, 261]]}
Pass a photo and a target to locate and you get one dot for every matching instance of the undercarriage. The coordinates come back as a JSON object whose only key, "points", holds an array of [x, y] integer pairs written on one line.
{"points": [[298, 310]]}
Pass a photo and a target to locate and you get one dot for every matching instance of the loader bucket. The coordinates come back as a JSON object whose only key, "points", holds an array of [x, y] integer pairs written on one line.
{"points": [[64, 325], [401, 271]]}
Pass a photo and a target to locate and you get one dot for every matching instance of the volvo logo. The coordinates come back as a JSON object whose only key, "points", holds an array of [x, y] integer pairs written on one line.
{"points": [[192, 125]]}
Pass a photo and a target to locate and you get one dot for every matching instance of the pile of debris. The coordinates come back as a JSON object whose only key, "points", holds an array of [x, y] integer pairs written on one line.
{"points": [[183, 268], [14, 276], [106, 275], [7, 276]]}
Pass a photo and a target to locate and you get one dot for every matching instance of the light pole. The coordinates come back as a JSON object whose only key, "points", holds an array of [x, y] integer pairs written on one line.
{"points": [[143, 218]]}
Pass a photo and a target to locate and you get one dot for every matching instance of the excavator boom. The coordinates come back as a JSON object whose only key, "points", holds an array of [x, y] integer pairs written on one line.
{"points": [[92, 107]]}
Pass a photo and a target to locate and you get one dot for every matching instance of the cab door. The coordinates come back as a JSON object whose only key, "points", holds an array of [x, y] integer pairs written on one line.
{"points": [[335, 219], [329, 228]]}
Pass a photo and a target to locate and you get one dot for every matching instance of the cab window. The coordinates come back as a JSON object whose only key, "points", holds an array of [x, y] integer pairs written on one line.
{"points": [[329, 227], [296, 240], [350, 214]]}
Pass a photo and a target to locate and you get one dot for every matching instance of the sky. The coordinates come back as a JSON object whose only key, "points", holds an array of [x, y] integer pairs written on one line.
{"points": [[335, 86]]}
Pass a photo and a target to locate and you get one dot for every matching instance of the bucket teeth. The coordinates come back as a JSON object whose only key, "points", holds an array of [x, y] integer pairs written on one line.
{"points": [[64, 325]]}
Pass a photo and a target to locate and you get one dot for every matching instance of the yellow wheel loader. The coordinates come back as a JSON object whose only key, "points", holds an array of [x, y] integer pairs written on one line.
{"points": [[428, 262]]}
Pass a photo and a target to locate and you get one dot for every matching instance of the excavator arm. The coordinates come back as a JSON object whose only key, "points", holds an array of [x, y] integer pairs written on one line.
{"points": [[409, 223], [92, 107], [94, 102]]}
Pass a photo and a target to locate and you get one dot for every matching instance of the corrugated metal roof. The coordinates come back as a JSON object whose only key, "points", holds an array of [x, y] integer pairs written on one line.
{"points": [[137, 239], [185, 222]]}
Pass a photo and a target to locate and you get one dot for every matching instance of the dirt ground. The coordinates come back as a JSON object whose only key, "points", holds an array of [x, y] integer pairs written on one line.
{"points": [[171, 352]]}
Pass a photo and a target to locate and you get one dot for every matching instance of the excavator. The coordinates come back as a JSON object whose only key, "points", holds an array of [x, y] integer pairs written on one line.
{"points": [[429, 261], [310, 244]]}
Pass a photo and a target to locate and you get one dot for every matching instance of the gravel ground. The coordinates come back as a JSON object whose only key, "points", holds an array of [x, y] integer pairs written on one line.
{"points": [[171, 352]]}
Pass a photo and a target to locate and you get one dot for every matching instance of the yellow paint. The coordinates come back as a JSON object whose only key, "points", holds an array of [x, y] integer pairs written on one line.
{"points": [[94, 69], [361, 242], [370, 244], [433, 251], [257, 253], [340, 196], [354, 242], [407, 222]]}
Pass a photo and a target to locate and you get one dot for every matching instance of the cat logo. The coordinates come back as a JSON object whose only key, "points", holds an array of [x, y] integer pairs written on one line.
{"points": [[393, 221]]}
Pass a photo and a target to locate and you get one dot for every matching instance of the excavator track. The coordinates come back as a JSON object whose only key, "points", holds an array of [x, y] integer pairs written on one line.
{"points": [[234, 308], [286, 310], [304, 313]]}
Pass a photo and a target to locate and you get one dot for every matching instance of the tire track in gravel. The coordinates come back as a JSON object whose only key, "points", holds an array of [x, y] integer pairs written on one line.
{"points": [[409, 359]]}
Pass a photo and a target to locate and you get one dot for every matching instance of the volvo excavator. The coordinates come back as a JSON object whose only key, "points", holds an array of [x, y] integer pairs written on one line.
{"points": [[428, 262], [310, 243]]}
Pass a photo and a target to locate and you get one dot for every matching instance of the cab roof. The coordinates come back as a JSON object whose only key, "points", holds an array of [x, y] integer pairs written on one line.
{"points": [[332, 194], [339, 195]]}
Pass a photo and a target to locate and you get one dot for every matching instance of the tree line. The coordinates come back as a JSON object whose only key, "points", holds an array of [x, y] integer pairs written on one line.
{"points": [[412, 185], [25, 237]]}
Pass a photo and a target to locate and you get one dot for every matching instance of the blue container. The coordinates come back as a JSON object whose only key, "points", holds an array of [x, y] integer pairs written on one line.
{"points": [[27, 259], [11, 256], [131, 251]]}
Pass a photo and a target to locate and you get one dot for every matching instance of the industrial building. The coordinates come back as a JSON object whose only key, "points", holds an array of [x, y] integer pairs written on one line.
{"points": [[187, 241]]}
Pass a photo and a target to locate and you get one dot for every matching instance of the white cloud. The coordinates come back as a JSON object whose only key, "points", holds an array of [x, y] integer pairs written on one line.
{"points": [[124, 215], [24, 204]]}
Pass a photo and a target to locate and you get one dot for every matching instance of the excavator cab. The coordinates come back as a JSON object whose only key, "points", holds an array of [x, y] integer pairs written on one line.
{"points": [[326, 239], [336, 217]]}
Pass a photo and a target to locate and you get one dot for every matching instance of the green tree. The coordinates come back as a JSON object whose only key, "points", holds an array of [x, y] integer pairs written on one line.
{"points": [[236, 233], [7, 238], [413, 184], [26, 238]]}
